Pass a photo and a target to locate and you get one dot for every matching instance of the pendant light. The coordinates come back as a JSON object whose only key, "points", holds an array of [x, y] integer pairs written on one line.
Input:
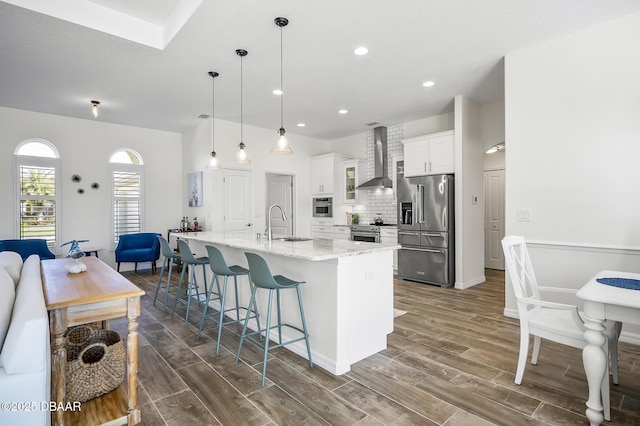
{"points": [[281, 147], [241, 155], [214, 163]]}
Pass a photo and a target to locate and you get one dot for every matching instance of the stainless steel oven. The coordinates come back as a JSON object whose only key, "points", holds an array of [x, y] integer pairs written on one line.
{"points": [[322, 207], [366, 233]]}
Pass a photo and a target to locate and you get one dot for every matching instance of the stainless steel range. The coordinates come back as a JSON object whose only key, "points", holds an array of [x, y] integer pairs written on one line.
{"points": [[368, 233]]}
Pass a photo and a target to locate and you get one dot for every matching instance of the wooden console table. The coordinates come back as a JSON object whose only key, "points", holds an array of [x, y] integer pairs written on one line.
{"points": [[98, 294]]}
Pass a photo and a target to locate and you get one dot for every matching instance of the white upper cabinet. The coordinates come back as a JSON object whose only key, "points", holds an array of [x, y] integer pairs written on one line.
{"points": [[326, 176], [354, 173], [429, 155], [322, 170]]}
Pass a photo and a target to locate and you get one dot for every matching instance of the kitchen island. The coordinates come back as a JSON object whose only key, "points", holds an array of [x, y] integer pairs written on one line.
{"points": [[348, 294]]}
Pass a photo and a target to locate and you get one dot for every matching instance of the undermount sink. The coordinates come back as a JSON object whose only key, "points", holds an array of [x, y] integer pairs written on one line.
{"points": [[293, 239]]}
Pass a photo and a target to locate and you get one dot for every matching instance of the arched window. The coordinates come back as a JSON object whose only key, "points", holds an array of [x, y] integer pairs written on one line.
{"points": [[37, 177], [127, 190]]}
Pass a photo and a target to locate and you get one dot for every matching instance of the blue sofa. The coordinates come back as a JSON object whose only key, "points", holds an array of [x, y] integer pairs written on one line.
{"points": [[140, 247], [26, 248]]}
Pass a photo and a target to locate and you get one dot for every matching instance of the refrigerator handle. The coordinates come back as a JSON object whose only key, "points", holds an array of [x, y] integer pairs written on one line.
{"points": [[421, 203], [444, 218]]}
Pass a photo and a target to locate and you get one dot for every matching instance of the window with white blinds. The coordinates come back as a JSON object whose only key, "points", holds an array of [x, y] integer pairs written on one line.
{"points": [[127, 193], [37, 190], [126, 203], [37, 202]]}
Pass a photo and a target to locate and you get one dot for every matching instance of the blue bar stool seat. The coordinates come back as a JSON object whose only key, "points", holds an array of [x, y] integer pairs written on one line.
{"points": [[191, 286], [169, 258], [219, 268], [262, 278]]}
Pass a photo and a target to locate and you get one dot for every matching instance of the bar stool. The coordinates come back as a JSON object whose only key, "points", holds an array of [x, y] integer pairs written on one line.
{"points": [[219, 268], [169, 258], [192, 283], [261, 277]]}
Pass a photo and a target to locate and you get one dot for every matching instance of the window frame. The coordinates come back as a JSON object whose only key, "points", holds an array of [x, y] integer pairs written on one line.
{"points": [[128, 168], [36, 161]]}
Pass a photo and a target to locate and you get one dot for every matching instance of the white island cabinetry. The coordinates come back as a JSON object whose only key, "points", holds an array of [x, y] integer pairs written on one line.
{"points": [[347, 297], [389, 235]]}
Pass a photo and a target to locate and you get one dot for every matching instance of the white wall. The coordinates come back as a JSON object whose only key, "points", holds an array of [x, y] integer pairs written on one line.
{"points": [[428, 125], [258, 141], [469, 197], [573, 146], [85, 147]]}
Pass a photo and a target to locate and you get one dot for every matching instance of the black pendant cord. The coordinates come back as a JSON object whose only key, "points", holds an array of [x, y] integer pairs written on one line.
{"points": [[241, 125], [213, 74], [281, 86]]}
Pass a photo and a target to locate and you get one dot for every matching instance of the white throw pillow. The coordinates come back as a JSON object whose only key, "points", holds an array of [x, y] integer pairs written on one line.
{"points": [[7, 297], [12, 263], [25, 346]]}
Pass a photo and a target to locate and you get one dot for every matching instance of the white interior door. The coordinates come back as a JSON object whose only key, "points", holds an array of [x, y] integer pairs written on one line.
{"points": [[280, 191], [238, 200], [493, 219]]}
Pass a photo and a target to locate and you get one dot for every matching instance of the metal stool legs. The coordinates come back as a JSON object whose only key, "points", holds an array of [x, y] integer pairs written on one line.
{"points": [[191, 284], [267, 348], [166, 287], [218, 317], [219, 268]]}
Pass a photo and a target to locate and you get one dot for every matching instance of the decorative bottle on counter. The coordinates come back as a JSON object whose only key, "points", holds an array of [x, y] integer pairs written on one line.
{"points": [[195, 223]]}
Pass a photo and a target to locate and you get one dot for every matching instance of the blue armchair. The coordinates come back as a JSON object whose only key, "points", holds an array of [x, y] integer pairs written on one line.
{"points": [[26, 248], [140, 247]]}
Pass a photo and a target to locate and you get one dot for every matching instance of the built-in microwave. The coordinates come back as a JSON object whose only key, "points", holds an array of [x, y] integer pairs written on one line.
{"points": [[322, 207]]}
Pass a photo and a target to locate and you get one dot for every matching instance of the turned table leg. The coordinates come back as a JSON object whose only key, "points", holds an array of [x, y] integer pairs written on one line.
{"points": [[133, 312], [58, 327], [595, 360]]}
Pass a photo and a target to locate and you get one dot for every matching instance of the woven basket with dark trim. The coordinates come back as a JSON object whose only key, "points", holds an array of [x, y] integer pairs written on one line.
{"points": [[98, 368]]}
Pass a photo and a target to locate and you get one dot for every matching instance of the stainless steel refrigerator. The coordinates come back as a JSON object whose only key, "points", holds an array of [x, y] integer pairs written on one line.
{"points": [[425, 228]]}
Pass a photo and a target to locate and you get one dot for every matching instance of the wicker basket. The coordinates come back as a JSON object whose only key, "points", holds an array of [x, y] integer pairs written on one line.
{"points": [[77, 339], [99, 366]]}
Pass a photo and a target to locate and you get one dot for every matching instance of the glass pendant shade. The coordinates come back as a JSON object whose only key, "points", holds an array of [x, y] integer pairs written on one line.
{"points": [[241, 155], [282, 147], [213, 163]]}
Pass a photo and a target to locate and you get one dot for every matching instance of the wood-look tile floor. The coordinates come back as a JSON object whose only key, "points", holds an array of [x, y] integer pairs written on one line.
{"points": [[450, 361]]}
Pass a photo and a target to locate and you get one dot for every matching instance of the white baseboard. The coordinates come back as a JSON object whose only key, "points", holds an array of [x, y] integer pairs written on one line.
{"points": [[470, 283]]}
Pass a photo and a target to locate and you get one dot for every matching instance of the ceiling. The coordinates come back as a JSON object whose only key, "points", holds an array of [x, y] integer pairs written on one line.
{"points": [[56, 62]]}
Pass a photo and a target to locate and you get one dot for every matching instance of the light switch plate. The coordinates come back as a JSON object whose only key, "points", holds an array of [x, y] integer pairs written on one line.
{"points": [[524, 215]]}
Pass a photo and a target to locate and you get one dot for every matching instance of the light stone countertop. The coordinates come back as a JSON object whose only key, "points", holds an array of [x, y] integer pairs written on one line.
{"points": [[315, 250]]}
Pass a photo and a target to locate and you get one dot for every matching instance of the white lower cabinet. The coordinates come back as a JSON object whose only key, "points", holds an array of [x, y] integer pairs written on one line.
{"points": [[330, 231], [390, 235]]}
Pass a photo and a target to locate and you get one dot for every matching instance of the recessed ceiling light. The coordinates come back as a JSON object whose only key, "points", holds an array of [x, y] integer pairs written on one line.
{"points": [[360, 51], [343, 111], [301, 124], [277, 92], [428, 84]]}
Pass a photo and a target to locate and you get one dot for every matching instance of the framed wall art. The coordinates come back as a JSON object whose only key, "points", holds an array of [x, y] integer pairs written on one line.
{"points": [[194, 189]]}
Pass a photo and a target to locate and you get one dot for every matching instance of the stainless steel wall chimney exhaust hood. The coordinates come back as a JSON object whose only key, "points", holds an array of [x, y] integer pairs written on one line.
{"points": [[380, 179]]}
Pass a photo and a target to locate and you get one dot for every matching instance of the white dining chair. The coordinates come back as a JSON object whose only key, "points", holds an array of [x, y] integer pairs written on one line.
{"points": [[558, 322]]}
